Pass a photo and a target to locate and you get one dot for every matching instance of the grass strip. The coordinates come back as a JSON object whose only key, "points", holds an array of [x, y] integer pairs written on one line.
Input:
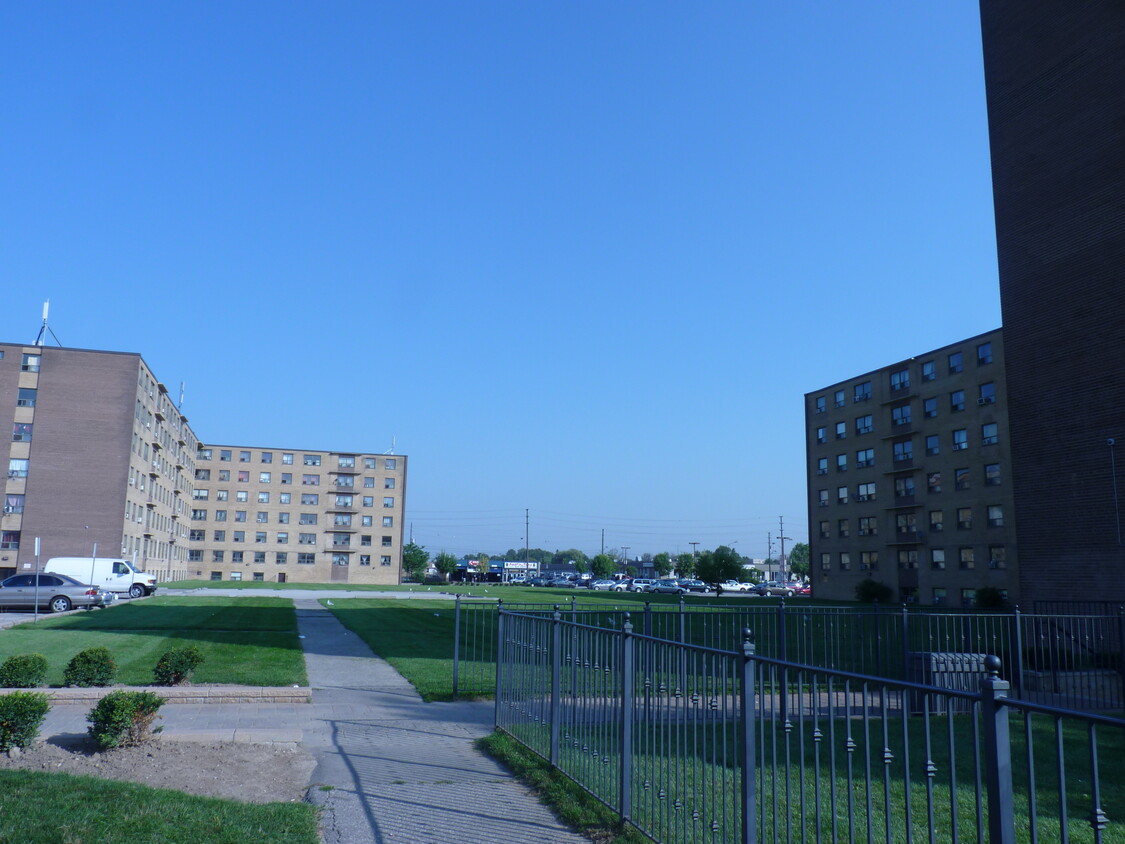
{"points": [[245, 641], [572, 804], [43, 808]]}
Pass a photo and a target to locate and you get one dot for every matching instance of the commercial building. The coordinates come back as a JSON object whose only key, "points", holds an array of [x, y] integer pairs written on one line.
{"points": [[297, 515], [909, 478], [101, 457], [98, 455], [1055, 84]]}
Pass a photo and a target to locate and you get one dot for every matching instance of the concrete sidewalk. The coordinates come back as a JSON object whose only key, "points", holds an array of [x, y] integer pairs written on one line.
{"points": [[390, 768]]}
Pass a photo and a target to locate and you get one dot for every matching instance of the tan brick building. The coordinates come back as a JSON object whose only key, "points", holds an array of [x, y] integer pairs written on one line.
{"points": [[297, 515], [100, 454], [909, 478]]}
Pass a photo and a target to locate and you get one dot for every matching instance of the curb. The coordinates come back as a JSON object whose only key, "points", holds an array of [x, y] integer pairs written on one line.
{"points": [[183, 694]]}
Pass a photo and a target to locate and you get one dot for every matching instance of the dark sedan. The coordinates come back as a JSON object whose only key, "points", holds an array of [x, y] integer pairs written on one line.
{"points": [[56, 592]]}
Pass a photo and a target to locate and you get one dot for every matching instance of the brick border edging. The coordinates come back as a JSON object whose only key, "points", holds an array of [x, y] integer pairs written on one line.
{"points": [[182, 694]]}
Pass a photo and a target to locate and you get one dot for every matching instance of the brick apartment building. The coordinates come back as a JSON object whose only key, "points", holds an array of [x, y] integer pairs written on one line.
{"points": [[909, 478], [100, 455]]}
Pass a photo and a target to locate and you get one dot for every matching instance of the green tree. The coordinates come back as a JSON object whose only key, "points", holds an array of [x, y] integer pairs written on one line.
{"points": [[662, 562], [714, 567], [799, 559], [685, 565], [603, 566], [446, 564], [415, 560], [483, 561]]}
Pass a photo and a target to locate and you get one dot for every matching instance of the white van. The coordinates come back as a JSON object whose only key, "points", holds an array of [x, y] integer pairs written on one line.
{"points": [[110, 573]]}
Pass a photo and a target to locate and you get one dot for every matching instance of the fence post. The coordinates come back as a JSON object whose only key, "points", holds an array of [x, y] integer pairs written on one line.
{"points": [[905, 642], [997, 755], [783, 655], [749, 795], [683, 635], [456, 641], [1017, 619], [627, 690], [556, 682], [648, 618], [500, 634], [1121, 646]]}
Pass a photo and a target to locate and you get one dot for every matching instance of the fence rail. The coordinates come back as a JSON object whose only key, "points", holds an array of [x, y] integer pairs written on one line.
{"points": [[693, 743], [1072, 661]]}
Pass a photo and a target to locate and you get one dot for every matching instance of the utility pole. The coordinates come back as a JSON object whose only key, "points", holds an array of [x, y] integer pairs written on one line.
{"points": [[782, 537], [694, 550], [769, 555], [603, 540], [625, 557], [527, 540]]}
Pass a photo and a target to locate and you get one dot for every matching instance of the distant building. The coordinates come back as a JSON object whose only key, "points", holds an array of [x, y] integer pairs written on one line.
{"points": [[100, 455], [1055, 81], [909, 478]]}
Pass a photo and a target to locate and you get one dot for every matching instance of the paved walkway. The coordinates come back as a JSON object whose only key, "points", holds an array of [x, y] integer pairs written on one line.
{"points": [[400, 770]]}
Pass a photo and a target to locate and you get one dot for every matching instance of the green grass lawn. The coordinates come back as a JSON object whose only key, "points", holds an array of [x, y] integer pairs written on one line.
{"points": [[247, 641], [40, 808]]}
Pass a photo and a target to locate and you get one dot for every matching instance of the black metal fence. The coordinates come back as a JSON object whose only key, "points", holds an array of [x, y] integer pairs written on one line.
{"points": [[693, 743], [1074, 661]]}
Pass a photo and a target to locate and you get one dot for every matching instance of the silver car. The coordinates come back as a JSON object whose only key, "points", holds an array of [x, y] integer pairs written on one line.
{"points": [[56, 592]]}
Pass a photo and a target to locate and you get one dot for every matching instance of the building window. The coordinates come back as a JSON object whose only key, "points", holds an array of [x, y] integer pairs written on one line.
{"points": [[30, 363], [368, 501], [242, 496], [995, 515], [10, 540], [281, 557], [388, 521], [900, 380], [866, 492], [956, 362], [868, 526], [240, 515], [244, 477], [287, 459], [26, 396], [937, 521], [259, 537], [369, 463], [841, 462], [342, 520], [841, 495], [203, 474], [341, 559], [390, 464], [933, 445], [862, 391], [244, 457], [195, 556], [869, 560], [825, 562], [220, 515], [388, 483], [194, 535], [343, 500], [960, 439], [341, 540], [929, 372], [285, 498], [216, 557], [21, 432], [984, 354], [863, 424], [264, 477], [987, 393], [283, 518], [822, 435], [864, 457], [369, 483], [966, 558], [989, 433], [930, 408], [306, 559], [224, 475], [822, 466], [286, 478], [258, 576], [267, 457], [937, 558], [310, 480], [306, 539], [203, 454], [908, 559], [222, 495], [821, 404], [992, 474], [838, 398], [957, 400], [822, 498], [365, 539], [845, 561], [387, 542], [901, 415], [199, 515], [263, 498], [385, 560], [200, 494], [841, 430], [997, 557], [312, 460], [904, 487], [388, 502], [905, 524], [218, 536], [259, 557], [310, 498], [903, 451], [825, 529], [283, 538], [307, 519], [224, 455], [365, 559], [346, 462], [933, 483], [239, 536], [961, 478], [217, 575]]}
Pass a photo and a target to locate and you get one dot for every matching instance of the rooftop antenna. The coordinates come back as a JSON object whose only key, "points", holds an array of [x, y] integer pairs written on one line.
{"points": [[180, 406], [46, 328], [392, 449]]}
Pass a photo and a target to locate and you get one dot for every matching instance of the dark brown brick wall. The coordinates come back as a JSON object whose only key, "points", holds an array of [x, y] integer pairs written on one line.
{"points": [[1055, 78]]}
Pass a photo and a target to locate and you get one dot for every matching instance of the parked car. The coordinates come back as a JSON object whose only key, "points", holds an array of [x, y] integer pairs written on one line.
{"points": [[602, 585], [775, 587], [673, 587], [563, 583], [640, 584], [56, 592], [805, 590], [537, 581], [622, 585], [694, 585], [734, 586]]}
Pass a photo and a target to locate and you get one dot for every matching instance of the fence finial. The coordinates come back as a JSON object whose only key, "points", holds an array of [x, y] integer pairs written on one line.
{"points": [[992, 665]]}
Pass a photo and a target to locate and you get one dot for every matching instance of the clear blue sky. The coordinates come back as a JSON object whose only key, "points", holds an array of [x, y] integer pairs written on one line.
{"points": [[583, 258]]}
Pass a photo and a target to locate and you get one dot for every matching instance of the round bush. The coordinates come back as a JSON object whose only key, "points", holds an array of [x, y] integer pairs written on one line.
{"points": [[91, 667], [872, 591], [21, 716], [123, 718], [176, 666], [23, 671]]}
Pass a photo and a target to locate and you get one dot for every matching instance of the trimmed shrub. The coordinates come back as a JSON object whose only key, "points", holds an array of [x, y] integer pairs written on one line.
{"points": [[23, 671], [21, 716], [990, 598], [91, 667], [124, 718], [870, 591], [176, 666]]}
